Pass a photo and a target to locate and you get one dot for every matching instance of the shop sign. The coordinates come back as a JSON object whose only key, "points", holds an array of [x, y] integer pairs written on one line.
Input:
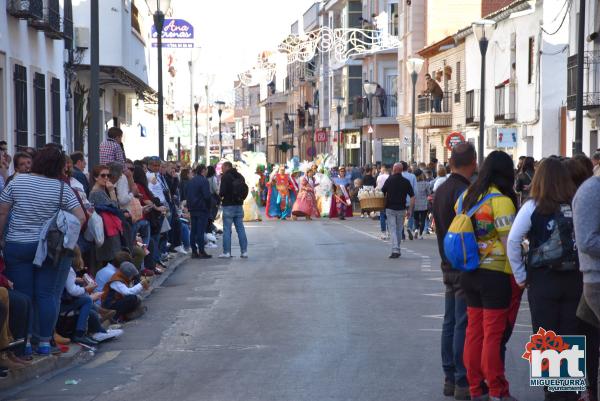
{"points": [[177, 33]]}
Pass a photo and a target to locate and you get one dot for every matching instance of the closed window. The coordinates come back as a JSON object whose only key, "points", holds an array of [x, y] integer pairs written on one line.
{"points": [[55, 104], [39, 96], [20, 81], [531, 60]]}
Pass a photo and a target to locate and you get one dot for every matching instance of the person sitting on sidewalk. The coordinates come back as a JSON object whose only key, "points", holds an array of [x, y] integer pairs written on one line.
{"points": [[396, 190], [121, 295], [80, 299], [110, 269]]}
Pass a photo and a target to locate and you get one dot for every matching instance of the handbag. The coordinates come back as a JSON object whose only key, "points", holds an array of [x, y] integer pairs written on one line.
{"points": [[95, 230], [54, 237]]}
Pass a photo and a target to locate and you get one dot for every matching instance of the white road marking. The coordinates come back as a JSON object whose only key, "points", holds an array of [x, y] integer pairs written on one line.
{"points": [[434, 316], [436, 294]]}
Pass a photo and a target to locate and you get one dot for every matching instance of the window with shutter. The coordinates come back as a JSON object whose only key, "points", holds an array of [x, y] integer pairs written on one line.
{"points": [[20, 82], [55, 100], [39, 98]]}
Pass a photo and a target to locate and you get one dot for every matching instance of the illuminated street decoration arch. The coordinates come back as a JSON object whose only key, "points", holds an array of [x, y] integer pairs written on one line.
{"points": [[341, 43]]}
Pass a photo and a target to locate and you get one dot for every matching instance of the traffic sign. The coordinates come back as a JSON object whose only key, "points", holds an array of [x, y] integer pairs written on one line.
{"points": [[454, 139], [370, 131]]}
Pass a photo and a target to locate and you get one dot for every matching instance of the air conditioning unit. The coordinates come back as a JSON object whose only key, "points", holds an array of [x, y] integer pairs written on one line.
{"points": [[82, 37]]}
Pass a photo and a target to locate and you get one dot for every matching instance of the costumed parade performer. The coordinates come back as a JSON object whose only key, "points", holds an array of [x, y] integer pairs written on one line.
{"points": [[342, 207], [324, 190], [281, 195], [306, 203], [249, 168]]}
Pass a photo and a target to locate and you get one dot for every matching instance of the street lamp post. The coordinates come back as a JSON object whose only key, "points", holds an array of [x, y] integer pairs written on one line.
{"points": [[339, 102], [220, 105], [314, 111], [196, 107], [578, 143], [370, 88], [414, 65], [291, 118], [158, 9], [277, 122], [483, 29]]}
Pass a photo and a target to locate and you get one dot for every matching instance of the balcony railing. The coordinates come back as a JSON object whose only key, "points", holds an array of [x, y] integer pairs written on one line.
{"points": [[472, 107], [591, 80], [25, 9], [434, 113], [505, 99], [383, 107], [50, 22]]}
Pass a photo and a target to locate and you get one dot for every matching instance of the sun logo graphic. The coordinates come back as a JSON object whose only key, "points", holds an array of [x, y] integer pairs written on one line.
{"points": [[555, 361]]}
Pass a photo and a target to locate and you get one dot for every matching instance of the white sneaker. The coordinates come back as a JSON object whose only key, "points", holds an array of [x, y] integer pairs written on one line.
{"points": [[110, 334], [225, 256], [416, 234], [179, 249], [244, 255], [383, 236], [210, 237]]}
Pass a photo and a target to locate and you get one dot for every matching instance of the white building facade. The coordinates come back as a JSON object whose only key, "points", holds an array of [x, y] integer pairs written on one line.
{"points": [[32, 74], [591, 84], [525, 81]]}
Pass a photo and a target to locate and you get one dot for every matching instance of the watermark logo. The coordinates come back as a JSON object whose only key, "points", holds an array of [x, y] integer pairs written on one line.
{"points": [[557, 362]]}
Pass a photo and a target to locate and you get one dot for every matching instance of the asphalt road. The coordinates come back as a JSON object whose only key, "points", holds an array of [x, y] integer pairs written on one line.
{"points": [[318, 312]]}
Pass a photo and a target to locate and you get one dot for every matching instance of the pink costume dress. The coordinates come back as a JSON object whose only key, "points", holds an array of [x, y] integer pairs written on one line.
{"points": [[306, 203]]}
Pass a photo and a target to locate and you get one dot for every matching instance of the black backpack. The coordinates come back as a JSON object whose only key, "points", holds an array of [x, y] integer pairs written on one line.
{"points": [[239, 189], [559, 252]]}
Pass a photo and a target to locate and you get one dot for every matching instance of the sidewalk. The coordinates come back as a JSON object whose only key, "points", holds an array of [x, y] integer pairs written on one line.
{"points": [[44, 367]]}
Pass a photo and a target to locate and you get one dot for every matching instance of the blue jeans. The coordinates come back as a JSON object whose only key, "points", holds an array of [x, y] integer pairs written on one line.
{"points": [[142, 227], [199, 223], [382, 221], [185, 235], [41, 284], [436, 104], [82, 305], [235, 215], [453, 337]]}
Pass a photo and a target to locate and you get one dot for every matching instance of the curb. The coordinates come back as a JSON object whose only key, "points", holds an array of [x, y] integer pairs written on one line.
{"points": [[42, 369]]}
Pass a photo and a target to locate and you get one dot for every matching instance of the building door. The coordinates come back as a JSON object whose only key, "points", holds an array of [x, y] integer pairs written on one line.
{"points": [[391, 87]]}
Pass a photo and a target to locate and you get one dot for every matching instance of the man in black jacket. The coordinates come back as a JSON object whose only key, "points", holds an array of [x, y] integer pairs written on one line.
{"points": [[464, 164], [396, 190], [198, 204], [233, 210]]}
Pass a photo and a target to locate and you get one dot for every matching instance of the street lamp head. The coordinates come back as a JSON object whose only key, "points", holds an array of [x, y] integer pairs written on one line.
{"points": [[196, 107], [414, 65], [370, 87], [339, 103], [483, 29], [159, 6], [277, 122], [220, 104]]}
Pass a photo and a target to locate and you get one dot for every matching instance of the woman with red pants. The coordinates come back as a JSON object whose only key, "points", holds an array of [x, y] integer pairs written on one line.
{"points": [[490, 290]]}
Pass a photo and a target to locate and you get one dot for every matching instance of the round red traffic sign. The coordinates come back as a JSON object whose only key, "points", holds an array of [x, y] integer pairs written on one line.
{"points": [[454, 139]]}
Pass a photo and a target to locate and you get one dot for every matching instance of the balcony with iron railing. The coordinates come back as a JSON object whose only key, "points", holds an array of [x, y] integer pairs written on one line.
{"points": [[434, 113], [26, 9], [591, 80], [50, 22], [384, 107], [472, 107], [505, 103]]}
